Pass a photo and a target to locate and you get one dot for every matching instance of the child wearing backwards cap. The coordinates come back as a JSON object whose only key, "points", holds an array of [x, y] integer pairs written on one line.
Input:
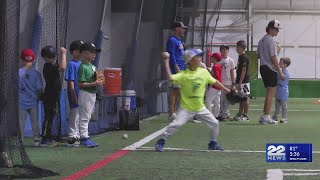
{"points": [[30, 91], [193, 82], [88, 85], [213, 92], [51, 98]]}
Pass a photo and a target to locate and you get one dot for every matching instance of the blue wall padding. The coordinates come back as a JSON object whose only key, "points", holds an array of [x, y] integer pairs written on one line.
{"points": [[36, 34]]}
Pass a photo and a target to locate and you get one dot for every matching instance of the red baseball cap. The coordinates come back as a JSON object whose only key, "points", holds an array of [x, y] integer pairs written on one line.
{"points": [[217, 56], [27, 55]]}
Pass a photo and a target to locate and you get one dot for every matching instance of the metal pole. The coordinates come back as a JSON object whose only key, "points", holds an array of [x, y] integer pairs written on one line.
{"points": [[57, 62], [192, 33], [248, 21], [103, 13], [251, 43], [315, 52], [204, 24], [140, 14]]}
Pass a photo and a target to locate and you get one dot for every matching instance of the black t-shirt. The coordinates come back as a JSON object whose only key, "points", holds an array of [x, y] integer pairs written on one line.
{"points": [[243, 61], [52, 77]]}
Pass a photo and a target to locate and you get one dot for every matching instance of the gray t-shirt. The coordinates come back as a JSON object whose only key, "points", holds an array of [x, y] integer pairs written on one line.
{"points": [[267, 47]]}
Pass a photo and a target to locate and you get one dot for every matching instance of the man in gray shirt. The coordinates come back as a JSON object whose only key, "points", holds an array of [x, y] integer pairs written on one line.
{"points": [[269, 67]]}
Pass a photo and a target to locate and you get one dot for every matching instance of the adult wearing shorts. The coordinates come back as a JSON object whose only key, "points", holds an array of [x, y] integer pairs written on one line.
{"points": [[269, 67], [176, 49]]}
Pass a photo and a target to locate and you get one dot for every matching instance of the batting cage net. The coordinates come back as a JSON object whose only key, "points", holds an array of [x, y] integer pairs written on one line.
{"points": [[14, 162], [50, 29]]}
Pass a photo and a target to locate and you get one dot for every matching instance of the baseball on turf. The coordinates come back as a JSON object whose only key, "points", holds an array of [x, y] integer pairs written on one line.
{"points": [[125, 136]]}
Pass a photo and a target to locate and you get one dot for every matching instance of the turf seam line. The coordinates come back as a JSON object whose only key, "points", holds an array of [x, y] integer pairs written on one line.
{"points": [[184, 149], [145, 140], [301, 174], [302, 170], [118, 154], [292, 110]]}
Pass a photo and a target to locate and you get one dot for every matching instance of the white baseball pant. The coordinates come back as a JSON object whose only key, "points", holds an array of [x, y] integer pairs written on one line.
{"points": [[73, 124], [213, 97], [184, 116], [86, 103]]}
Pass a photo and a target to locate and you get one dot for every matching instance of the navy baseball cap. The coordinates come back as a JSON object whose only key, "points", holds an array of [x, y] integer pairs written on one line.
{"points": [[89, 47], [48, 52], [75, 45]]}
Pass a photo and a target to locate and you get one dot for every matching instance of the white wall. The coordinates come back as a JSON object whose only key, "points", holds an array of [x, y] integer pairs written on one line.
{"points": [[299, 38]]}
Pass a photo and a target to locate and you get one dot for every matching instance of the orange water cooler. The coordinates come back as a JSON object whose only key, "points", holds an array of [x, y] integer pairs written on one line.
{"points": [[113, 81]]}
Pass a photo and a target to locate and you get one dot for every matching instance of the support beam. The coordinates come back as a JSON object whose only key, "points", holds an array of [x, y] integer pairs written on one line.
{"points": [[255, 11]]}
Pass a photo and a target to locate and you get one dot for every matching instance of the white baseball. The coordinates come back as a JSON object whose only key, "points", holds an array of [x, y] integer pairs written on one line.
{"points": [[165, 54], [125, 136]]}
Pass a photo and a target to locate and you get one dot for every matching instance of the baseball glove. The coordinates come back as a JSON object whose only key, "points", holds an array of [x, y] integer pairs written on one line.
{"points": [[236, 97], [99, 76]]}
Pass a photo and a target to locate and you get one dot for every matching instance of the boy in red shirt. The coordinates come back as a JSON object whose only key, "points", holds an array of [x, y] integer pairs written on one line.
{"points": [[213, 92]]}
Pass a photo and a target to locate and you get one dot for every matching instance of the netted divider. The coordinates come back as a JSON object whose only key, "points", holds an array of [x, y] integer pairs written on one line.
{"points": [[103, 59], [50, 29], [14, 162]]}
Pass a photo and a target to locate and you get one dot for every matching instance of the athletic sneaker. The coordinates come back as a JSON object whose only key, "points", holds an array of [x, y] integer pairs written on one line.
{"points": [[283, 120], [195, 119], [213, 145], [160, 144], [223, 118], [267, 121], [245, 117], [172, 117], [86, 142], [238, 117], [73, 142], [5, 158], [275, 119], [48, 143], [36, 141]]}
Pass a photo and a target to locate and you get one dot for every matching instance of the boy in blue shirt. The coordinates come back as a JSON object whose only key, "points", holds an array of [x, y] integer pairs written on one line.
{"points": [[30, 91], [282, 92], [71, 76]]}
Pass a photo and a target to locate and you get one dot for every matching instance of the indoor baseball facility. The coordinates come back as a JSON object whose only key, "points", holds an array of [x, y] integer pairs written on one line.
{"points": [[159, 89]]}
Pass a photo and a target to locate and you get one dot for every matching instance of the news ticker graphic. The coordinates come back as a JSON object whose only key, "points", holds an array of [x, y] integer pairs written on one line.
{"points": [[289, 152]]}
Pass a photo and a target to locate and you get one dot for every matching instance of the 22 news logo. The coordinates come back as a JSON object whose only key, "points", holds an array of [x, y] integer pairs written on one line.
{"points": [[276, 153]]}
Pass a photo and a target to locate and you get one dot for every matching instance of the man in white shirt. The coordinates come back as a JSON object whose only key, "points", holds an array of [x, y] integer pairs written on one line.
{"points": [[228, 80]]}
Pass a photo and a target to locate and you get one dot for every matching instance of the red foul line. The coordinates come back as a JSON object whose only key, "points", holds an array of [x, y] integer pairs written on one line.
{"points": [[86, 171]]}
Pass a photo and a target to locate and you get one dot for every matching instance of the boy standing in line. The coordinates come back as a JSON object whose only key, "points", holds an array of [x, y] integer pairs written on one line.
{"points": [[30, 92], [242, 80], [88, 85], [213, 93], [51, 74], [228, 80], [71, 76]]}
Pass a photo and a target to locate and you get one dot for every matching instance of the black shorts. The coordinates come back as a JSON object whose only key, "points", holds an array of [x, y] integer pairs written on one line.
{"points": [[269, 77]]}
